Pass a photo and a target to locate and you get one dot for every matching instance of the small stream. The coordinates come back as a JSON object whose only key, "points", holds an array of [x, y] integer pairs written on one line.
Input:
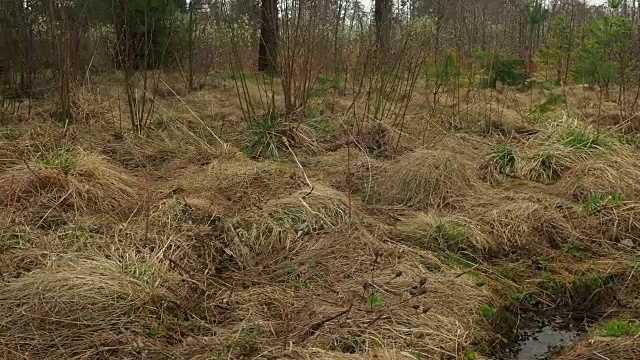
{"points": [[543, 340]]}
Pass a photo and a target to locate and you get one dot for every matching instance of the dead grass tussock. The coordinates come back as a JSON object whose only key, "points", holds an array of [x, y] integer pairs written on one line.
{"points": [[91, 307], [547, 162], [346, 170], [514, 220], [379, 140], [611, 224], [499, 164], [229, 184], [427, 178], [24, 140], [491, 117], [445, 233], [84, 181], [596, 347], [387, 308], [614, 171], [164, 145], [378, 354], [266, 232]]}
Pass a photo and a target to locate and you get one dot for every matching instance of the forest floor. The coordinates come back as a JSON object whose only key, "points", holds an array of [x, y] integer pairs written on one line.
{"points": [[451, 238]]}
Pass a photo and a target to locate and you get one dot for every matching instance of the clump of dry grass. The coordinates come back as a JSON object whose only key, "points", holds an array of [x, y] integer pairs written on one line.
{"points": [[548, 164], [516, 220], [596, 347], [90, 308], [230, 184], [266, 232], [446, 233], [427, 178], [388, 306], [493, 118], [80, 181], [610, 223], [615, 170], [501, 162], [378, 140], [347, 170]]}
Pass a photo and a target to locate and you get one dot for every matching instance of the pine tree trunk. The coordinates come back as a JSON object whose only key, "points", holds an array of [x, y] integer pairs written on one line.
{"points": [[268, 48], [382, 13]]}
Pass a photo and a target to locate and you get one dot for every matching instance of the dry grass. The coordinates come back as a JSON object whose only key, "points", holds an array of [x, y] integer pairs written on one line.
{"points": [[213, 255], [379, 140], [427, 178], [230, 184], [499, 164], [612, 224], [445, 233], [516, 221], [547, 163], [89, 308], [437, 318], [79, 182], [595, 348], [613, 171], [263, 233]]}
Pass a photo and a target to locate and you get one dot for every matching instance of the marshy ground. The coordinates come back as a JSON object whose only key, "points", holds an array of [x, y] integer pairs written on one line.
{"points": [[449, 238]]}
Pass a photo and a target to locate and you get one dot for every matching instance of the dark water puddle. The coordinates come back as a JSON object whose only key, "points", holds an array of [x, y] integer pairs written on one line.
{"points": [[542, 340]]}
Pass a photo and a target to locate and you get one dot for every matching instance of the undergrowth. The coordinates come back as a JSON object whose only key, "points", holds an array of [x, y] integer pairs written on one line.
{"points": [[582, 139]]}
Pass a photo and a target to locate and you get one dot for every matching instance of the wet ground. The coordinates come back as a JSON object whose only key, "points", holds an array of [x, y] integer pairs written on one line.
{"points": [[541, 341]]}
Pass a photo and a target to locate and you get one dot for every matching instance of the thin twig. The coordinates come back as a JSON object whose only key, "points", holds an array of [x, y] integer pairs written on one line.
{"points": [[53, 207], [286, 142]]}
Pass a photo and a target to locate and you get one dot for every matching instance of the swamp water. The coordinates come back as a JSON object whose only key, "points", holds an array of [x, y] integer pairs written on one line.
{"points": [[543, 340]]}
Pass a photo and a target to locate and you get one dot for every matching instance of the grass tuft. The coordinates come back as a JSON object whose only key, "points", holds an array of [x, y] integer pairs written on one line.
{"points": [[546, 166], [501, 161], [281, 222], [597, 201], [62, 161], [444, 233], [620, 327], [89, 303], [266, 139], [76, 182], [582, 139], [426, 178]]}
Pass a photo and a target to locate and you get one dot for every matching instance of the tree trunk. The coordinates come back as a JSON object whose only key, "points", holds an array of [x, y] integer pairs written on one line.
{"points": [[190, 45], [382, 14], [268, 48]]}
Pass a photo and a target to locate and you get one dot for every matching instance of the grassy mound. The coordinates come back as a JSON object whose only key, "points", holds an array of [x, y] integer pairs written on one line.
{"points": [[548, 164], [608, 221], [500, 163], [613, 171], [378, 140], [272, 229], [597, 347], [229, 185], [445, 233], [357, 314], [516, 221], [426, 178], [79, 182], [90, 308]]}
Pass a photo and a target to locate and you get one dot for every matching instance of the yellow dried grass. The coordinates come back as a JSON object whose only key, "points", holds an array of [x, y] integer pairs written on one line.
{"points": [[596, 348], [265, 232], [613, 171], [92, 184], [447, 233], [515, 220], [85, 308], [427, 178]]}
